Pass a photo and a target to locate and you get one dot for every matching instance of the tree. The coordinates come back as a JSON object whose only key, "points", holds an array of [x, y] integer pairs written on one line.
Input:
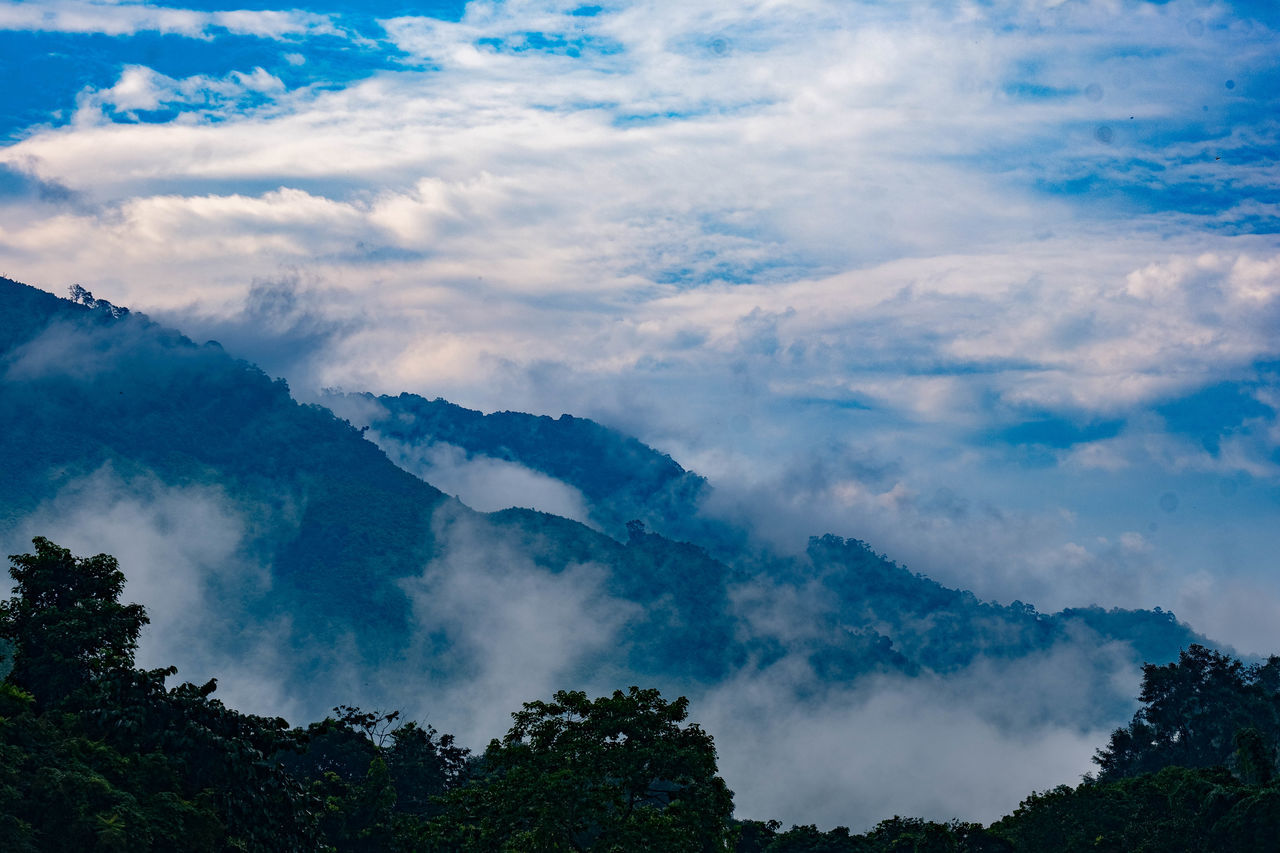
{"points": [[212, 754], [66, 621], [896, 835], [1193, 715], [424, 765], [83, 297], [377, 778], [114, 759], [1177, 810], [620, 773]]}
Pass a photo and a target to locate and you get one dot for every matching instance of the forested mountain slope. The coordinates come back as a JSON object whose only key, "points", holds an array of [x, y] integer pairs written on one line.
{"points": [[620, 478], [87, 386], [356, 548]]}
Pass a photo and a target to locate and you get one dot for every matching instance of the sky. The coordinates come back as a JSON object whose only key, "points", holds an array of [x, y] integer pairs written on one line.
{"points": [[994, 286]]}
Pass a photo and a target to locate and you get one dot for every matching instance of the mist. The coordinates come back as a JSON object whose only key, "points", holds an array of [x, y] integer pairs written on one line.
{"points": [[926, 747], [483, 482], [187, 557], [492, 630]]}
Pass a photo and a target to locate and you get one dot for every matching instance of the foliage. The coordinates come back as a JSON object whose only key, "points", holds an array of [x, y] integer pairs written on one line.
{"points": [[227, 758], [64, 790], [97, 755], [66, 622], [1206, 709], [378, 778], [896, 835], [424, 765], [1193, 771], [121, 761], [618, 773], [1178, 809]]}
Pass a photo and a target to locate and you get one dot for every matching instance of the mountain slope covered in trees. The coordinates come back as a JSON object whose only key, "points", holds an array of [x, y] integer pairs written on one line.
{"points": [[621, 479], [366, 565]]}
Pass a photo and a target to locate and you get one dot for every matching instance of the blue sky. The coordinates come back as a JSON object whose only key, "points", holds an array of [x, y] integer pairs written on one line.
{"points": [[1020, 255]]}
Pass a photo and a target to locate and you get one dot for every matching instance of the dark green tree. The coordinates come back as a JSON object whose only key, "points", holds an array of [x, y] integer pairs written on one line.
{"points": [[915, 835], [376, 778], [424, 765], [896, 835], [618, 773], [809, 839], [213, 754], [66, 622], [1192, 715], [1177, 810], [97, 755]]}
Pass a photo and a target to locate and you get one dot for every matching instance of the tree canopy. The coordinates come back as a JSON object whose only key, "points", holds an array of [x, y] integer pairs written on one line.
{"points": [[1203, 710], [621, 772], [66, 622]]}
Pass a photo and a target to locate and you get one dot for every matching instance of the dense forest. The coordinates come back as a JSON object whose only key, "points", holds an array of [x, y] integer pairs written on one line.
{"points": [[96, 754]]}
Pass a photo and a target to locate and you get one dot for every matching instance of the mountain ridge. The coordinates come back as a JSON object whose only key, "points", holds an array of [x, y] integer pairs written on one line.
{"points": [[355, 546]]}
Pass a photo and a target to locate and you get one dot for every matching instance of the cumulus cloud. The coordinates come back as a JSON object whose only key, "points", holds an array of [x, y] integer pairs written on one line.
{"points": [[665, 158], [140, 88]]}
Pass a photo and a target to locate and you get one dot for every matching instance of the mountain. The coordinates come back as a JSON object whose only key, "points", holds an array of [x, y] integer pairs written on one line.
{"points": [[87, 387], [620, 478], [369, 572]]}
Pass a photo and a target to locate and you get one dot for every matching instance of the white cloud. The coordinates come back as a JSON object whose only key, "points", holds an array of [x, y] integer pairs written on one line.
{"points": [[182, 550], [122, 17], [817, 139], [140, 88], [1242, 609]]}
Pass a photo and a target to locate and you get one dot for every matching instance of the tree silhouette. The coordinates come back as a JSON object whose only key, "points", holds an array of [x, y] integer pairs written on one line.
{"points": [[616, 773], [1193, 715], [66, 622]]}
